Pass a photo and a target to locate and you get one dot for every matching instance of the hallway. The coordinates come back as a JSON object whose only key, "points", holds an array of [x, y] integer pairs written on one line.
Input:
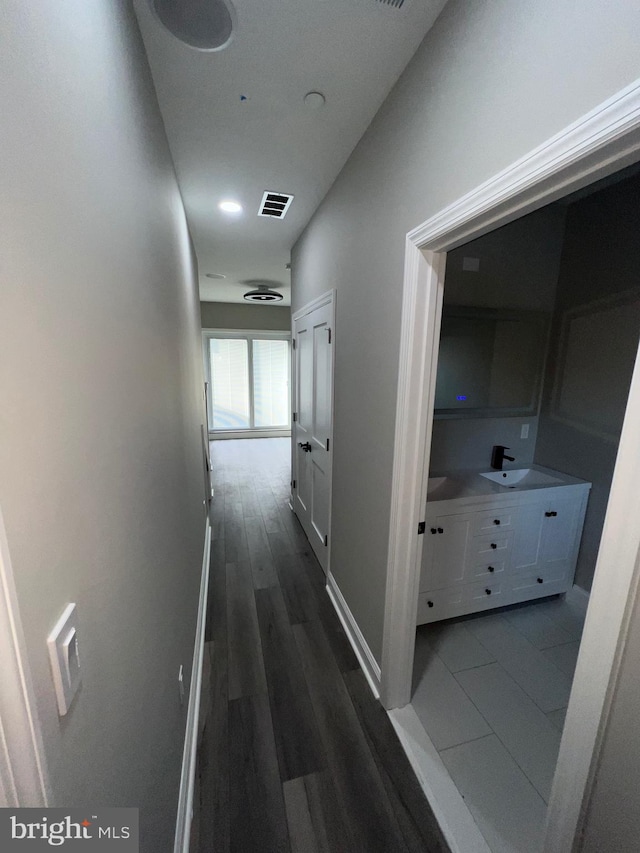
{"points": [[295, 754]]}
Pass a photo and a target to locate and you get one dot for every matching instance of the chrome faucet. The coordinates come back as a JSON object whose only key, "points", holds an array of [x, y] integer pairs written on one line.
{"points": [[498, 456]]}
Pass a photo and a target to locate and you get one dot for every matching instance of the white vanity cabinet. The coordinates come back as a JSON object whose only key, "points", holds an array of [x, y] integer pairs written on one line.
{"points": [[487, 551]]}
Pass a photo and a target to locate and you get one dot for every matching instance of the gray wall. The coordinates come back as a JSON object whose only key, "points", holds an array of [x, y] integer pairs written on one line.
{"points": [[601, 257], [518, 268], [491, 80], [229, 315], [101, 483]]}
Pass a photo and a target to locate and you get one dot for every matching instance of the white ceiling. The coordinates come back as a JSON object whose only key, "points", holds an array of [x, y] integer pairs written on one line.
{"points": [[352, 51]]}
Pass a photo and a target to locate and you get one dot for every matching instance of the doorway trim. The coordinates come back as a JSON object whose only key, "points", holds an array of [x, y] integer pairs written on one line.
{"points": [[23, 773], [603, 141]]}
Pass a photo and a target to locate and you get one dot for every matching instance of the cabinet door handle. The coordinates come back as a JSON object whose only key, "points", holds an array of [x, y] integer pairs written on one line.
{"points": [[429, 603], [488, 591], [496, 521], [551, 514], [494, 546], [440, 530], [433, 530], [540, 580], [490, 569]]}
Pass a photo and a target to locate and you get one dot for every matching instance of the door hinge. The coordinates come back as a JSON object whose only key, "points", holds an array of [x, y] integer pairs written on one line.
{"points": [[422, 527], [329, 330], [295, 417], [293, 485], [326, 539], [293, 343], [327, 444]]}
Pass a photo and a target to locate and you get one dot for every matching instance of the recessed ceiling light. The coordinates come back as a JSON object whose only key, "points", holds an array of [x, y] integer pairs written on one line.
{"points": [[214, 275], [230, 206]]}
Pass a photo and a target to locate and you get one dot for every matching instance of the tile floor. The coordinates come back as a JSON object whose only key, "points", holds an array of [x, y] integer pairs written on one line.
{"points": [[491, 691]]}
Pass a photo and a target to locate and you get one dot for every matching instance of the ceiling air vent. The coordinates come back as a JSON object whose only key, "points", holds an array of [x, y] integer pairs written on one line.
{"points": [[396, 3], [275, 205]]}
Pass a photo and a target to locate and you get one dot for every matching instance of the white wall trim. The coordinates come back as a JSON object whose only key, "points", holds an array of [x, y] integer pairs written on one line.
{"points": [[318, 302], [421, 314], [187, 778], [23, 774], [598, 144], [367, 661], [452, 813]]}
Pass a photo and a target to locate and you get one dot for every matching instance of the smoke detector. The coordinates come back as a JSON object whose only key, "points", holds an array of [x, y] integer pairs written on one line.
{"points": [[263, 294]]}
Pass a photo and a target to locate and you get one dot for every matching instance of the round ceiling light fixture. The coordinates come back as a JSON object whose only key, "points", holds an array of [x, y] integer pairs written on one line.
{"points": [[202, 24], [263, 294], [229, 206]]}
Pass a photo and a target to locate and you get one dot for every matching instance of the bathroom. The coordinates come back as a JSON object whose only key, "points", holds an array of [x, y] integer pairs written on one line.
{"points": [[558, 291]]}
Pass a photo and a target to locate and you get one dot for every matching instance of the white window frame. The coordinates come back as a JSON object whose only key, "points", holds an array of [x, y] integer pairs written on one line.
{"points": [[249, 335]]}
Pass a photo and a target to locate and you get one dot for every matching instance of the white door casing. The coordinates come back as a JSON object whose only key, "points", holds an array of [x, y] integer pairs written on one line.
{"points": [[602, 142], [312, 428], [23, 773]]}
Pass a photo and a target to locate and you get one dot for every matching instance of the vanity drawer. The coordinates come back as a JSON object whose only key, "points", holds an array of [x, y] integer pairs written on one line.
{"points": [[496, 520], [486, 568], [488, 547], [543, 581], [439, 604], [455, 601]]}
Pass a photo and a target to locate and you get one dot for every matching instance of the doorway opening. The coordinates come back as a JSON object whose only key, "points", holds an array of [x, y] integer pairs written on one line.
{"points": [[509, 554], [600, 143]]}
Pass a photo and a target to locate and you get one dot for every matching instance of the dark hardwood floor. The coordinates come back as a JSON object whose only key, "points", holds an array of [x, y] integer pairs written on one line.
{"points": [[295, 753]]}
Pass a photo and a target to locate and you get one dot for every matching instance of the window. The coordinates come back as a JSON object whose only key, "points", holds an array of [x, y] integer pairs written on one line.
{"points": [[248, 376]]}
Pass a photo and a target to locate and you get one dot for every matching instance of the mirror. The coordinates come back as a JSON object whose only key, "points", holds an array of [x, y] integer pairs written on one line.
{"points": [[490, 362]]}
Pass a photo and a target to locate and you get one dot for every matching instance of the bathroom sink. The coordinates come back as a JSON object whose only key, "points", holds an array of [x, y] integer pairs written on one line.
{"points": [[521, 477]]}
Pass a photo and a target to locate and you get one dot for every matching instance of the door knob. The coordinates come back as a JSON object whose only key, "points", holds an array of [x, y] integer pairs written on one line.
{"points": [[306, 446]]}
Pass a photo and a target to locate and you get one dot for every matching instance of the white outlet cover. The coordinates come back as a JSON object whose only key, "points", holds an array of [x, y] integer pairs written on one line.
{"points": [[64, 656], [524, 431]]}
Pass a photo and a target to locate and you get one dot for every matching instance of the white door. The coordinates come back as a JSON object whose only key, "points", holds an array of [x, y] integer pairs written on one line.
{"points": [[313, 421]]}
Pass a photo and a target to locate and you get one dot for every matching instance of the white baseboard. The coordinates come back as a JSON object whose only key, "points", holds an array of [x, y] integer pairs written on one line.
{"points": [[187, 779], [367, 661], [454, 818]]}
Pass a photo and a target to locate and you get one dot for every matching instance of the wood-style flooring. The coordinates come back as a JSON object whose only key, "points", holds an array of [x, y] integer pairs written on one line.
{"points": [[295, 754]]}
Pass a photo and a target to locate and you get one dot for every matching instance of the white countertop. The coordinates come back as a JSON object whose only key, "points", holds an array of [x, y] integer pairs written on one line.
{"points": [[456, 485]]}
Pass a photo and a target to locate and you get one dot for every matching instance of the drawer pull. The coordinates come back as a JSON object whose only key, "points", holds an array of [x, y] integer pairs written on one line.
{"points": [[539, 580], [490, 569], [440, 530], [551, 514], [494, 546], [429, 603], [433, 530], [488, 591], [496, 521]]}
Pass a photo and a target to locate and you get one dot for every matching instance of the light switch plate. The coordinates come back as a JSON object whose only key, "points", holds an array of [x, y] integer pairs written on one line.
{"points": [[524, 431], [65, 659]]}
